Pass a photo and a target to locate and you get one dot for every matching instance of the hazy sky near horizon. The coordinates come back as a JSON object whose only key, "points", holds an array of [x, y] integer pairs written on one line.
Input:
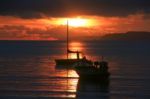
{"points": [[38, 19]]}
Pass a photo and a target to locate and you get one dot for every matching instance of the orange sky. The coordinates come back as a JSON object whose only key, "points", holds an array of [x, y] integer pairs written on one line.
{"points": [[51, 28]]}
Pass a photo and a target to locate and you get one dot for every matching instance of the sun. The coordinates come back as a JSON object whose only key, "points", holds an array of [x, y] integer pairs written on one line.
{"points": [[75, 22]]}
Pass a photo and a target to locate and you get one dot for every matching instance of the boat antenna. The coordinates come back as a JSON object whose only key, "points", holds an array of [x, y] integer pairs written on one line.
{"points": [[67, 38]]}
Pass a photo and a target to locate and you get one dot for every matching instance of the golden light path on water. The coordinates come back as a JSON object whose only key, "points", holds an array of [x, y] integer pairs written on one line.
{"points": [[75, 46], [80, 46], [72, 81], [60, 82]]}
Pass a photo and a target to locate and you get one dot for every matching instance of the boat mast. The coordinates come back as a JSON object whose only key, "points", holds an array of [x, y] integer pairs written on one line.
{"points": [[67, 39], [67, 51]]}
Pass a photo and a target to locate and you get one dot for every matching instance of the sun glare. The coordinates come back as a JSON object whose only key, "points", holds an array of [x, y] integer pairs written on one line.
{"points": [[75, 22]]}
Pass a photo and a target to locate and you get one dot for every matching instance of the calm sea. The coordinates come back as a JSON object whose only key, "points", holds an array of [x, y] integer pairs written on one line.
{"points": [[27, 70]]}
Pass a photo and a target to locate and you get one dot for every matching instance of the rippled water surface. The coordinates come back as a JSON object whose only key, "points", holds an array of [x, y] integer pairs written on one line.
{"points": [[27, 70]]}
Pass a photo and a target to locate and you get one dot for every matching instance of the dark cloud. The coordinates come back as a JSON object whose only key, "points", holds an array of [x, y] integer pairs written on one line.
{"points": [[60, 8]]}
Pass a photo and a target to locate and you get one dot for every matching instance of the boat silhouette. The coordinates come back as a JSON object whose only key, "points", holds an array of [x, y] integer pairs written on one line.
{"points": [[94, 72]]}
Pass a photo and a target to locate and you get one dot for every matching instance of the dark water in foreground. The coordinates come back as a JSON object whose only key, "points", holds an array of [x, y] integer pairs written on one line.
{"points": [[27, 71]]}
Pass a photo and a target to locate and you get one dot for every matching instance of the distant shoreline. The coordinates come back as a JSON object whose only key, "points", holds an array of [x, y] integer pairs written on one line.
{"points": [[128, 36]]}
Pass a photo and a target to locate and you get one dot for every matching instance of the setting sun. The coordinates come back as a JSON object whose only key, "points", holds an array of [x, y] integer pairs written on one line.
{"points": [[75, 22]]}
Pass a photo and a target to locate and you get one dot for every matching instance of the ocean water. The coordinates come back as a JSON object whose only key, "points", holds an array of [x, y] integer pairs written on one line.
{"points": [[27, 70]]}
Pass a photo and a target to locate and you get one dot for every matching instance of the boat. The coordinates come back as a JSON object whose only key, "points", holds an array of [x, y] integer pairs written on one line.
{"points": [[96, 71], [67, 62]]}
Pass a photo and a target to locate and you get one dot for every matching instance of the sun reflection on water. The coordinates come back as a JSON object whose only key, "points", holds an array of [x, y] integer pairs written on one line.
{"points": [[70, 84], [75, 46]]}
